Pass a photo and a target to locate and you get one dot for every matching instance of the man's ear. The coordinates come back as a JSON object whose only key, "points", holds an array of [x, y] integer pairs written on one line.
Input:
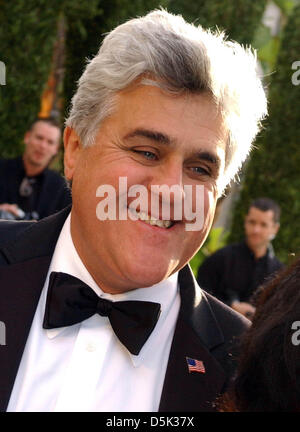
{"points": [[72, 147], [276, 228]]}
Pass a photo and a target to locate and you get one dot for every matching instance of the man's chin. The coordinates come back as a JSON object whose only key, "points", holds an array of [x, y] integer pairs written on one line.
{"points": [[255, 244], [149, 278], [37, 163]]}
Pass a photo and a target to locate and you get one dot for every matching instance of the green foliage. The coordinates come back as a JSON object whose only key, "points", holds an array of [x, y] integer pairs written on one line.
{"points": [[286, 5], [274, 167], [238, 18], [27, 34], [28, 30], [267, 47], [216, 239]]}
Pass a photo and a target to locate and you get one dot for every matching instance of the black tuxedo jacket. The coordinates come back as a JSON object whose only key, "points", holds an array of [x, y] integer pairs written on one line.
{"points": [[206, 329]]}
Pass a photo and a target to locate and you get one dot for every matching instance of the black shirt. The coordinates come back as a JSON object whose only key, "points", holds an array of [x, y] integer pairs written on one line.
{"points": [[28, 202], [49, 191], [233, 273]]}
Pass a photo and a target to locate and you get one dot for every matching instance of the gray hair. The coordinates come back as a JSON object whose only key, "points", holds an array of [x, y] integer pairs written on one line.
{"points": [[179, 57]]}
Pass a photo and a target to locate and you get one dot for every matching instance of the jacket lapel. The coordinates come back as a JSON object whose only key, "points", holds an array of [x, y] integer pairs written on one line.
{"points": [[21, 285], [196, 334], [21, 282]]}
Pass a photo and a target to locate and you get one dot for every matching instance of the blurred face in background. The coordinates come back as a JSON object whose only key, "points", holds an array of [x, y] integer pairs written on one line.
{"points": [[41, 145], [260, 228]]}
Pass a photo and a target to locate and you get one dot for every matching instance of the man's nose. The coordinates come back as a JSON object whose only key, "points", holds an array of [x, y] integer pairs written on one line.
{"points": [[256, 228], [167, 187], [43, 144]]}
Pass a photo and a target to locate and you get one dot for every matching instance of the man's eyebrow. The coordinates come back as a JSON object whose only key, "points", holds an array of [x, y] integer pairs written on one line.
{"points": [[209, 157], [165, 139], [150, 134]]}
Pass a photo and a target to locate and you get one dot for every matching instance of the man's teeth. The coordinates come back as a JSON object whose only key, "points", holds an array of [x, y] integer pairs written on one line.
{"points": [[153, 221], [159, 223]]}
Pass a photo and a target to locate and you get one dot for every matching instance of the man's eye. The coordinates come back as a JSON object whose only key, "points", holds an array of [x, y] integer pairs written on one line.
{"points": [[200, 170], [147, 154]]}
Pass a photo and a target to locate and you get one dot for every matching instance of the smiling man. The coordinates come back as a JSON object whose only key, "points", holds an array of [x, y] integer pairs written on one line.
{"points": [[104, 314]]}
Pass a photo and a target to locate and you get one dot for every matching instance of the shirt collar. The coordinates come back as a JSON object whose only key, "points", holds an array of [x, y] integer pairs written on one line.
{"points": [[66, 259]]}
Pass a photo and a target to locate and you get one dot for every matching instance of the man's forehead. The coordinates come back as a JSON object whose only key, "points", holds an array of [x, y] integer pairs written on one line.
{"points": [[50, 130], [257, 213], [45, 125], [148, 107]]}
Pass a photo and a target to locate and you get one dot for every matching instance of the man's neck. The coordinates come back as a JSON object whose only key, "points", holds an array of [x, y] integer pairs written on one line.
{"points": [[30, 169]]}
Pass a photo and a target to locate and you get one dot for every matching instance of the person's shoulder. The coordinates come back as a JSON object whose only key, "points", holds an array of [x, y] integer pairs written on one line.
{"points": [[276, 264], [230, 320], [233, 327], [216, 261], [20, 240], [9, 163], [224, 251], [4, 161], [56, 181], [54, 175], [10, 230]]}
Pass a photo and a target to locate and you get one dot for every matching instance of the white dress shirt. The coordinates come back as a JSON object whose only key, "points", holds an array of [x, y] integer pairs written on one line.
{"points": [[84, 367]]}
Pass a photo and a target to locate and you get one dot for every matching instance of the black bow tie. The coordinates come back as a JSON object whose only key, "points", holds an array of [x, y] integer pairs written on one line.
{"points": [[70, 301]]}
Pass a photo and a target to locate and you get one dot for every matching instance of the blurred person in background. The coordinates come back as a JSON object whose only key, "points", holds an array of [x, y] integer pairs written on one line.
{"points": [[234, 272], [28, 188]]}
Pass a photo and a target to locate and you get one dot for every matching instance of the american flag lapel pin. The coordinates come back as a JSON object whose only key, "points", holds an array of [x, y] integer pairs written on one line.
{"points": [[195, 365]]}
